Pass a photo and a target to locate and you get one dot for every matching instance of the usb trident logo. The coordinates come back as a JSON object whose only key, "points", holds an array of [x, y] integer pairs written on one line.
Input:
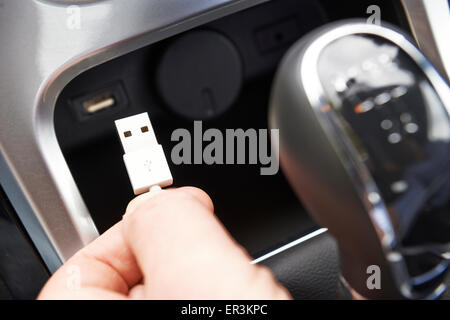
{"points": [[148, 165]]}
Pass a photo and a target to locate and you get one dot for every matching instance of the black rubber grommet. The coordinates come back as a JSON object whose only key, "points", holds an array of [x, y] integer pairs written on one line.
{"points": [[200, 75]]}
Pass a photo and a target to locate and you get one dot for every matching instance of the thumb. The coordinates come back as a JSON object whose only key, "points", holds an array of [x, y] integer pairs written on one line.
{"points": [[184, 252]]}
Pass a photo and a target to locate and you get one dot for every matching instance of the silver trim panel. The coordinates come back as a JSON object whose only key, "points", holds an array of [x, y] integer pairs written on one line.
{"points": [[430, 23]]}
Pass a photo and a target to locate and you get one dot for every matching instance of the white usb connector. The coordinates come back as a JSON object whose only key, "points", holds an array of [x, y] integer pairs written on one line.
{"points": [[144, 158]]}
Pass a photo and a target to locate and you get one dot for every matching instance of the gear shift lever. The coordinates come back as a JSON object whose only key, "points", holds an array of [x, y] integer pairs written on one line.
{"points": [[365, 143]]}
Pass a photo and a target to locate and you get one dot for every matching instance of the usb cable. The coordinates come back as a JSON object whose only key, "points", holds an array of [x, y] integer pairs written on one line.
{"points": [[144, 157]]}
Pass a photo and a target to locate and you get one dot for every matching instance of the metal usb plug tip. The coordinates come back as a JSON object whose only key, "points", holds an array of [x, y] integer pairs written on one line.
{"points": [[99, 103]]}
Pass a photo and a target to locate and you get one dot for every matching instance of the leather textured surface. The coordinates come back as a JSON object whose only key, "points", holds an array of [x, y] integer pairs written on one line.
{"points": [[309, 270], [4, 292]]}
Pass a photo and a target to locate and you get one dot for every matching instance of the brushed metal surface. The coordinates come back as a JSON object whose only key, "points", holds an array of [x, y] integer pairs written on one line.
{"points": [[430, 23], [40, 54]]}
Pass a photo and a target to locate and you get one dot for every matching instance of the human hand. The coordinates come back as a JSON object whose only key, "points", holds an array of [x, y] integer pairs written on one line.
{"points": [[169, 245]]}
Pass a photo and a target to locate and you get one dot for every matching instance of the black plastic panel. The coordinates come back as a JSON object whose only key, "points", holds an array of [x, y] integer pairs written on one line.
{"points": [[22, 272], [264, 212]]}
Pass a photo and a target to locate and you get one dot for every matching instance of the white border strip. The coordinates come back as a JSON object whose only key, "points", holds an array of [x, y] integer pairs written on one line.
{"points": [[290, 245]]}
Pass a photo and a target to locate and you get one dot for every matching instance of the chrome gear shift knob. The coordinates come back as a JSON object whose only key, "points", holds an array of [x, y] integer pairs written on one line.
{"points": [[365, 143]]}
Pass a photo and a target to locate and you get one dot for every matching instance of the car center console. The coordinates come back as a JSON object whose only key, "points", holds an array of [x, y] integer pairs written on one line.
{"points": [[64, 83]]}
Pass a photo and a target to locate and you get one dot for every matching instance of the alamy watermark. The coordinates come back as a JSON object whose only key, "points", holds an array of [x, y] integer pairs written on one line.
{"points": [[234, 146], [73, 21], [73, 277], [375, 14], [374, 280]]}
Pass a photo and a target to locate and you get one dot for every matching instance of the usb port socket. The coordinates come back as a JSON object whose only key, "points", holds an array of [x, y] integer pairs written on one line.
{"points": [[108, 100], [99, 103]]}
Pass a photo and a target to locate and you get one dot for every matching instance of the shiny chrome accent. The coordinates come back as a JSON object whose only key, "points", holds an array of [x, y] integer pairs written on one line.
{"points": [[290, 245], [39, 56], [430, 23], [358, 172]]}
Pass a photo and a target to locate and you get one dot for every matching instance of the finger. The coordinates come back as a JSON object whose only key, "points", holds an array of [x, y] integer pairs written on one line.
{"points": [[195, 192], [141, 199], [106, 264], [201, 196], [185, 252], [137, 292], [84, 294]]}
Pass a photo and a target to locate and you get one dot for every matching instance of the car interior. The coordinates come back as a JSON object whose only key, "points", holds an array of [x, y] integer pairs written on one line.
{"points": [[69, 182]]}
